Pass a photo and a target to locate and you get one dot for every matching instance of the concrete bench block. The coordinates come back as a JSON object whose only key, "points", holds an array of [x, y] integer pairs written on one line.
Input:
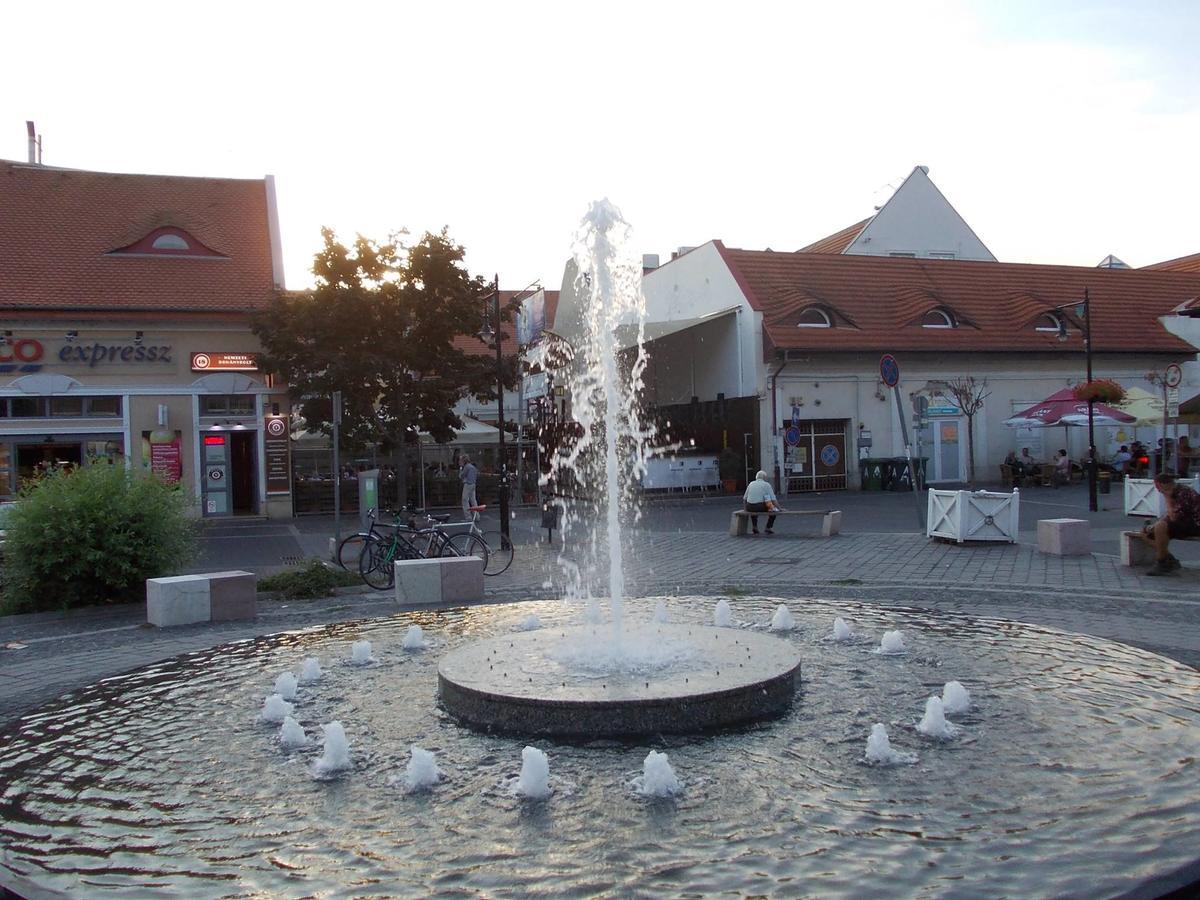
{"points": [[832, 523], [1135, 551], [451, 579], [211, 597], [1064, 537]]}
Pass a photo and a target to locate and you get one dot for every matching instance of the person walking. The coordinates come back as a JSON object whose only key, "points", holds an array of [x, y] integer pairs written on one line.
{"points": [[760, 498], [1182, 520], [469, 475]]}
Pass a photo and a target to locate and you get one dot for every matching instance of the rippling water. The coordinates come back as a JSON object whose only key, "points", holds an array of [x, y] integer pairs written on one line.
{"points": [[1074, 774]]}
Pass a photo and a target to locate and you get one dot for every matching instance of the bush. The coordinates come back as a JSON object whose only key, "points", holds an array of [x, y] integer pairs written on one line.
{"points": [[93, 536], [315, 579]]}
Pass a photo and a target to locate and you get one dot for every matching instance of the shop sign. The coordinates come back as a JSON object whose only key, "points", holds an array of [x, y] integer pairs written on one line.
{"points": [[275, 443], [165, 453], [28, 354], [224, 362]]}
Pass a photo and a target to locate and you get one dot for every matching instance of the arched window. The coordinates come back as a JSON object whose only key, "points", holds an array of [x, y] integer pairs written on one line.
{"points": [[1051, 323], [814, 317], [939, 318], [169, 241]]}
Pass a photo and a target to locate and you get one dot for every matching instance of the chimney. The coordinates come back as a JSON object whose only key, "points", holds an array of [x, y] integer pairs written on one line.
{"points": [[649, 261], [35, 144]]}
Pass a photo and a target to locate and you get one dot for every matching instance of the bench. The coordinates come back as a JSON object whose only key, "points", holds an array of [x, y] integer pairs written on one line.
{"points": [[1136, 552], [831, 524], [1064, 537], [209, 597], [446, 579]]}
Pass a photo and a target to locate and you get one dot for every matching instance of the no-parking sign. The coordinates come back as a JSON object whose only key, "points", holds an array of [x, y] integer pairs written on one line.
{"points": [[889, 370]]}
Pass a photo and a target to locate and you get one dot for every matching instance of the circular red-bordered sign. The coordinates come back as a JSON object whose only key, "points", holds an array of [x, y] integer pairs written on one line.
{"points": [[1174, 376], [889, 370]]}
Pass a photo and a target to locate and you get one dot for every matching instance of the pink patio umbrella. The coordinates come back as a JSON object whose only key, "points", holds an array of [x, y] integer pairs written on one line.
{"points": [[1061, 408]]}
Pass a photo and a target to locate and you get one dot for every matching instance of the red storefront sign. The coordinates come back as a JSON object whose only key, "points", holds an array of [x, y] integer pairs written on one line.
{"points": [[166, 456], [224, 362]]}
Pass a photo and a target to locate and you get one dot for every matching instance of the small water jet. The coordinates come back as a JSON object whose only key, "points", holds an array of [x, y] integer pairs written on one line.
{"points": [[892, 643], [841, 631], [360, 653], [335, 755], [534, 780], [658, 778], [955, 698], [311, 671], [783, 620], [291, 734], [414, 638], [422, 772], [660, 613], [285, 686], [275, 709], [879, 749], [723, 614], [934, 723], [529, 623]]}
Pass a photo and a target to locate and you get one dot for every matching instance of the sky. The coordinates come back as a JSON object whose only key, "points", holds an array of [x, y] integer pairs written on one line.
{"points": [[1061, 131]]}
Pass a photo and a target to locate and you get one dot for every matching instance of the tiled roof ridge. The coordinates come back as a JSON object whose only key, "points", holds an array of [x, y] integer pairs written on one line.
{"points": [[839, 241], [67, 170]]}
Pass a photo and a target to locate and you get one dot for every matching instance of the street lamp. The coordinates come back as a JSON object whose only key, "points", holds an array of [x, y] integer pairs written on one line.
{"points": [[1083, 311]]}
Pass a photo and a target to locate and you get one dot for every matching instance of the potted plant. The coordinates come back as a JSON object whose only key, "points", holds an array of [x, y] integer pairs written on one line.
{"points": [[730, 467], [1100, 390]]}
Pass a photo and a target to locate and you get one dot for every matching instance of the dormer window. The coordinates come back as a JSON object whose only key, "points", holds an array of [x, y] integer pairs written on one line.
{"points": [[939, 318], [814, 317], [168, 240], [1051, 323]]}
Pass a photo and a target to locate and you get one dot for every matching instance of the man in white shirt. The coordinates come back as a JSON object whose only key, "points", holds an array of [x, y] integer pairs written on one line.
{"points": [[469, 474], [760, 498]]}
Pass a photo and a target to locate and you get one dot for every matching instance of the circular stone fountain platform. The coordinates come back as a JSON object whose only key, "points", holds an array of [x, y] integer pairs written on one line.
{"points": [[664, 679]]}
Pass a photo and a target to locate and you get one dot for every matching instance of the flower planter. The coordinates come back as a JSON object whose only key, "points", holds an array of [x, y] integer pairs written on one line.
{"points": [[1143, 499], [962, 516]]}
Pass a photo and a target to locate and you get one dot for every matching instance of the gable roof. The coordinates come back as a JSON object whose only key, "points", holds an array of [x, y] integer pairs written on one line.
{"points": [[838, 242], [58, 228], [1181, 264], [997, 304]]}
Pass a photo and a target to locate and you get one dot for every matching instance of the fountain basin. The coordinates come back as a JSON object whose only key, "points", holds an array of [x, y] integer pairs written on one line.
{"points": [[699, 678]]}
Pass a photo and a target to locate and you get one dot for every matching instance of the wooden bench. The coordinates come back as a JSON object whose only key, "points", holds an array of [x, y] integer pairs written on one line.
{"points": [[831, 524]]}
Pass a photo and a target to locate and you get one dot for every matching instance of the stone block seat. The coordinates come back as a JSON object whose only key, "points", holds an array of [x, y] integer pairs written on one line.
{"points": [[208, 597], [1136, 552], [447, 579], [831, 521], [1064, 537]]}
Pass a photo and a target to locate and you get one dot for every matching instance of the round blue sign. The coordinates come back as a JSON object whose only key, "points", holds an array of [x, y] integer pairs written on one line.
{"points": [[889, 370], [830, 455], [792, 436]]}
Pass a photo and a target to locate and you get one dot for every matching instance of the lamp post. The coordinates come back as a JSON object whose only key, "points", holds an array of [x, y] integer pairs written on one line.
{"points": [[1084, 312], [493, 332]]}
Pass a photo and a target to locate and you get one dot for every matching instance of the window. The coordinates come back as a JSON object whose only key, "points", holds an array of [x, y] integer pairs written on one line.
{"points": [[814, 317], [103, 406], [939, 318], [66, 406], [26, 408], [902, 254], [227, 405], [59, 407], [1051, 322], [941, 254]]}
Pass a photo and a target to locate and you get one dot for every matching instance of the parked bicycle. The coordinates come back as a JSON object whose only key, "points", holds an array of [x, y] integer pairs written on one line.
{"points": [[500, 548], [426, 540]]}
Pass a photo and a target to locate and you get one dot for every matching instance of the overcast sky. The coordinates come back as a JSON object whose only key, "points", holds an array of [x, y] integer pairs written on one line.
{"points": [[1060, 131]]}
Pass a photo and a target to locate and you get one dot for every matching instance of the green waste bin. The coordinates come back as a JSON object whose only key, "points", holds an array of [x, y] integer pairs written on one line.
{"points": [[872, 474]]}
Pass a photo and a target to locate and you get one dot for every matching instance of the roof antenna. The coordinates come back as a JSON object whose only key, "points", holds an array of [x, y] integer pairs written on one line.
{"points": [[35, 144]]}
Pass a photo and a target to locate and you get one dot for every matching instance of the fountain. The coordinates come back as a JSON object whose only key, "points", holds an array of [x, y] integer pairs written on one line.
{"points": [[613, 679], [167, 779]]}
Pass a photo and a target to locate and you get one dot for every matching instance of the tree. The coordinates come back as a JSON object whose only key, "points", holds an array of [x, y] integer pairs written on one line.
{"points": [[385, 326], [968, 395]]}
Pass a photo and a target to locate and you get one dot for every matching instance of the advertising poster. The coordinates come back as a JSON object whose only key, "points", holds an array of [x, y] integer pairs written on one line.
{"points": [[162, 453], [275, 443]]}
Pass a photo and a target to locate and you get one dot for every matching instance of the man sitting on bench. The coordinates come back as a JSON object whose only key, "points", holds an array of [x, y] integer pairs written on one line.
{"points": [[760, 498], [1181, 521]]}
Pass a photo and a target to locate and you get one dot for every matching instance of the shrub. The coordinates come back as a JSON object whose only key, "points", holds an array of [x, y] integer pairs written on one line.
{"points": [[93, 536], [315, 579]]}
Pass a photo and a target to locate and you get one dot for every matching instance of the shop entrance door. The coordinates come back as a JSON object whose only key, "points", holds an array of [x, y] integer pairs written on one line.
{"points": [[230, 473], [944, 442], [244, 474]]}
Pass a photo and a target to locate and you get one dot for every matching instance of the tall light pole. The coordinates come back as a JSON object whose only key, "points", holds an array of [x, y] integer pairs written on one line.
{"points": [[1084, 312], [500, 409]]}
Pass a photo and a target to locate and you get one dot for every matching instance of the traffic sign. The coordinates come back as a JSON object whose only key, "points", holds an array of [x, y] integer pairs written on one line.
{"points": [[792, 436], [1173, 402], [889, 370], [1174, 376]]}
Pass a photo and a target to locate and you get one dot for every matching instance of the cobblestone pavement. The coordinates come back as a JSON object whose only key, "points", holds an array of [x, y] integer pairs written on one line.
{"points": [[44, 655]]}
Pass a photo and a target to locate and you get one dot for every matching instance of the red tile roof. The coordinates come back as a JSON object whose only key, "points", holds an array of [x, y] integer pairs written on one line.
{"points": [[57, 225], [838, 242], [1182, 264], [877, 303]]}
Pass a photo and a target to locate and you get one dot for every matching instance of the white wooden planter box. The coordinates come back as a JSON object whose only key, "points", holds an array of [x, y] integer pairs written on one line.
{"points": [[1143, 499], [973, 515]]}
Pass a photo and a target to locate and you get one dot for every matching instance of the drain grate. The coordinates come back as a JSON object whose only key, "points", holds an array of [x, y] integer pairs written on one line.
{"points": [[291, 560], [774, 561]]}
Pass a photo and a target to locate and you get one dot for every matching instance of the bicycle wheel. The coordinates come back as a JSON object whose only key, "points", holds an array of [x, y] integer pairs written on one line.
{"points": [[375, 565], [350, 550], [500, 552], [466, 544]]}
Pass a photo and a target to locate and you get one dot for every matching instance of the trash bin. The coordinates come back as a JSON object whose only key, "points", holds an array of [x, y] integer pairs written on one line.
{"points": [[887, 474], [872, 474], [901, 477], [1104, 480]]}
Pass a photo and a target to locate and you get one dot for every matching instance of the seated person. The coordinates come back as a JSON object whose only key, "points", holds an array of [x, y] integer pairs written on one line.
{"points": [[1028, 463], [760, 498], [1062, 469], [1120, 462], [1011, 460], [1182, 520]]}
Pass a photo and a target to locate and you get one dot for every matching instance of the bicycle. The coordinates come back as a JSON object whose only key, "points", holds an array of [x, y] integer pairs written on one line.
{"points": [[500, 548], [351, 548], [376, 566]]}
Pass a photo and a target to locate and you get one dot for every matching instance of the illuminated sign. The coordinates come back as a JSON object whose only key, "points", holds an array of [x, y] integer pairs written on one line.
{"points": [[224, 362], [211, 441]]}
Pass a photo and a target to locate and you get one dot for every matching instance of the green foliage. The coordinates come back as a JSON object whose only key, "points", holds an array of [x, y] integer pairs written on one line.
{"points": [[391, 327], [315, 579], [93, 536]]}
